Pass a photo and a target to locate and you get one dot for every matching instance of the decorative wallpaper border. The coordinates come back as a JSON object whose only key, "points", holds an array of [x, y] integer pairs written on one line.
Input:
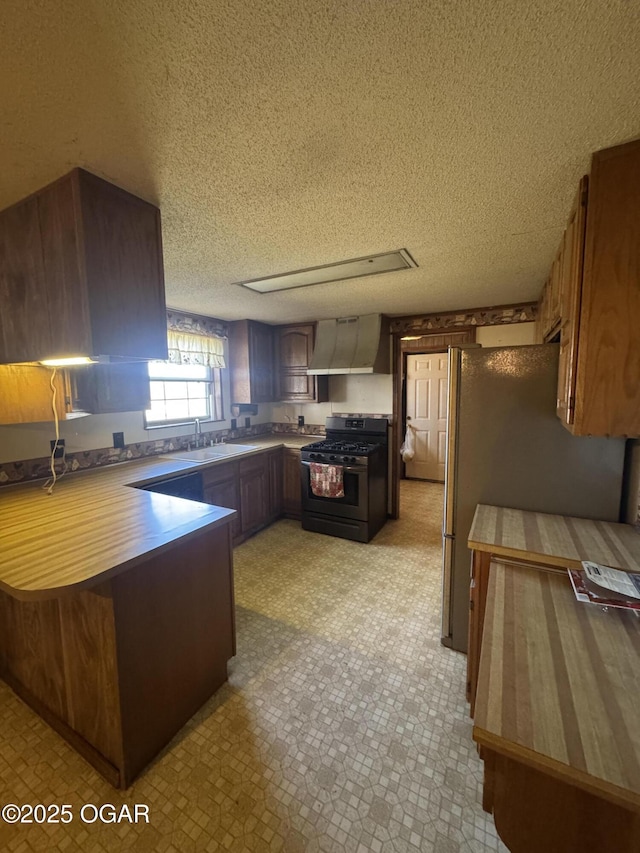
{"points": [[38, 469], [178, 321], [524, 312]]}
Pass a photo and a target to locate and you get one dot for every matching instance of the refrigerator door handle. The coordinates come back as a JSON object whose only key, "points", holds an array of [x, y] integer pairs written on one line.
{"points": [[447, 581], [451, 448]]}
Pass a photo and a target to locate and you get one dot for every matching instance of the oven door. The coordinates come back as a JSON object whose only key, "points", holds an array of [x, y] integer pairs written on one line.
{"points": [[352, 505]]}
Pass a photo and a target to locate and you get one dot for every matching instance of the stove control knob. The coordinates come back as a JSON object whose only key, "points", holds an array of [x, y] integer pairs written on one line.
{"points": [[313, 456], [332, 458]]}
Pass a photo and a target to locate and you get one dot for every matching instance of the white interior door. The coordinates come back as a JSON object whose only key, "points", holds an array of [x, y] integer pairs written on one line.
{"points": [[427, 409]]}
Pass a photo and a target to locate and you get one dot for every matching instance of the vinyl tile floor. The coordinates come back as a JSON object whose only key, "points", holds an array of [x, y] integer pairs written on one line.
{"points": [[343, 726]]}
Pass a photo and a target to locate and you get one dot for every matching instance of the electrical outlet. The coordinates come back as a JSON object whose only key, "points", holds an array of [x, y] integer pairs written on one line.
{"points": [[234, 423], [300, 420], [59, 453], [247, 422], [118, 440]]}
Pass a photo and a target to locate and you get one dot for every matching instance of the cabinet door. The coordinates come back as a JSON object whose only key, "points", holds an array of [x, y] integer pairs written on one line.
{"points": [[291, 486], [251, 362], [221, 489], [105, 388], [25, 333], [254, 492], [294, 349], [571, 292], [275, 462], [261, 363], [26, 395], [81, 274], [124, 270], [608, 372]]}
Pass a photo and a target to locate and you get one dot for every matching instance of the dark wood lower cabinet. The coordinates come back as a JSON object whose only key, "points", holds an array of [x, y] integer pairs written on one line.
{"points": [[292, 489], [221, 488], [274, 463], [254, 492], [119, 668], [261, 488]]}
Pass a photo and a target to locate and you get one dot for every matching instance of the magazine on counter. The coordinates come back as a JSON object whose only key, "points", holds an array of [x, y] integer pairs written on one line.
{"points": [[605, 590]]}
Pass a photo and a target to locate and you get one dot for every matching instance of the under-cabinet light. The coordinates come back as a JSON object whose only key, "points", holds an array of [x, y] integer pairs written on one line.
{"points": [[328, 273], [67, 362]]}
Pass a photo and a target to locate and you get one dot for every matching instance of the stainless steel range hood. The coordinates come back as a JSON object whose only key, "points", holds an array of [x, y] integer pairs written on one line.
{"points": [[352, 345]]}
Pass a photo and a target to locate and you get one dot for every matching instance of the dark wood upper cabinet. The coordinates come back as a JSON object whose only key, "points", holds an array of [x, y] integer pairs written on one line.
{"points": [[102, 389], [81, 273], [251, 362], [294, 348]]}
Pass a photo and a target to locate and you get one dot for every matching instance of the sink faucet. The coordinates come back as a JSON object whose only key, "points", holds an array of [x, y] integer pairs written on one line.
{"points": [[198, 428]]}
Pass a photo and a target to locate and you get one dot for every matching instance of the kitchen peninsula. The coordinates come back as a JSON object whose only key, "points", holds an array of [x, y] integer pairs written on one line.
{"points": [[116, 609]]}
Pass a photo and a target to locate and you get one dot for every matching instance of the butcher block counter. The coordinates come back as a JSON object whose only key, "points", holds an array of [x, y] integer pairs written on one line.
{"points": [[116, 609], [555, 686]]}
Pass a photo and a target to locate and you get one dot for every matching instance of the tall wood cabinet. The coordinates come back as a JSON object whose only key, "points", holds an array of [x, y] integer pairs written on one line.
{"points": [[251, 362], [81, 273], [597, 275], [294, 348]]}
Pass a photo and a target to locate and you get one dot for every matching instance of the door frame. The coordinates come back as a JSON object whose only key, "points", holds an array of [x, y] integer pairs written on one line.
{"points": [[427, 342]]}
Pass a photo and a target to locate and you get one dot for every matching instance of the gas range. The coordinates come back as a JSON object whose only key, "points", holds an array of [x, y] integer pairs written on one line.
{"points": [[336, 451], [357, 447]]}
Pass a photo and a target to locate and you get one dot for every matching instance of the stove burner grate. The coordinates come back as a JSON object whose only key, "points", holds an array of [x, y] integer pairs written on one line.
{"points": [[359, 447]]}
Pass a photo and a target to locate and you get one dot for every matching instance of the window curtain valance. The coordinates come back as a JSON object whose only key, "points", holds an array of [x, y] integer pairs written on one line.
{"points": [[195, 339], [189, 348]]}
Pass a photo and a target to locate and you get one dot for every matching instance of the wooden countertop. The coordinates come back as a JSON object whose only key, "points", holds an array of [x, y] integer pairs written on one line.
{"points": [[95, 525], [559, 683], [556, 540], [92, 527], [293, 442]]}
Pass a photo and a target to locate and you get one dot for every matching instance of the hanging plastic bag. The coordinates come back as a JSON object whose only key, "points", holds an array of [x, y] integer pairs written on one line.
{"points": [[408, 449]]}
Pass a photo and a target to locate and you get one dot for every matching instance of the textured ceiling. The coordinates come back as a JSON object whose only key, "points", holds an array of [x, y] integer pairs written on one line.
{"points": [[277, 135]]}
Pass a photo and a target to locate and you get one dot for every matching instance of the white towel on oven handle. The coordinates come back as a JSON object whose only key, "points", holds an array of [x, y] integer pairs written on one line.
{"points": [[408, 449]]}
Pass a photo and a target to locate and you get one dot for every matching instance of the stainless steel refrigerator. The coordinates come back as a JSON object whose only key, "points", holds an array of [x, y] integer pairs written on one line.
{"points": [[506, 447]]}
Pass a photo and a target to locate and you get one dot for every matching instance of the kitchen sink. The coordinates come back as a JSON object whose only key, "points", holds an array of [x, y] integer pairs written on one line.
{"points": [[216, 451]]}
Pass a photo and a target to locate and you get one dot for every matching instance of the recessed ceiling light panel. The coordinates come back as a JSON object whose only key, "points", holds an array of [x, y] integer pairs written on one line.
{"points": [[327, 273]]}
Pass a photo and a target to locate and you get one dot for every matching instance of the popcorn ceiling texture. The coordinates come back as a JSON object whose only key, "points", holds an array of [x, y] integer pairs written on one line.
{"points": [[281, 135]]}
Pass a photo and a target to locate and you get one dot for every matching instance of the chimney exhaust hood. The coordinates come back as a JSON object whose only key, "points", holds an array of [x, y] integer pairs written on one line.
{"points": [[351, 345]]}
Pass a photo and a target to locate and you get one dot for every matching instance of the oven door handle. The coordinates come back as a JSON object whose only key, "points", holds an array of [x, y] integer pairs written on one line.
{"points": [[362, 469]]}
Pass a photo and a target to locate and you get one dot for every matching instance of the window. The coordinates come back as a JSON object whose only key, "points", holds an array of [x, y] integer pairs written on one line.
{"points": [[183, 392]]}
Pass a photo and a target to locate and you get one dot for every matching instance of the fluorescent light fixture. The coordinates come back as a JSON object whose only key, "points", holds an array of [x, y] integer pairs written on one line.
{"points": [[70, 361], [327, 273], [412, 338]]}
